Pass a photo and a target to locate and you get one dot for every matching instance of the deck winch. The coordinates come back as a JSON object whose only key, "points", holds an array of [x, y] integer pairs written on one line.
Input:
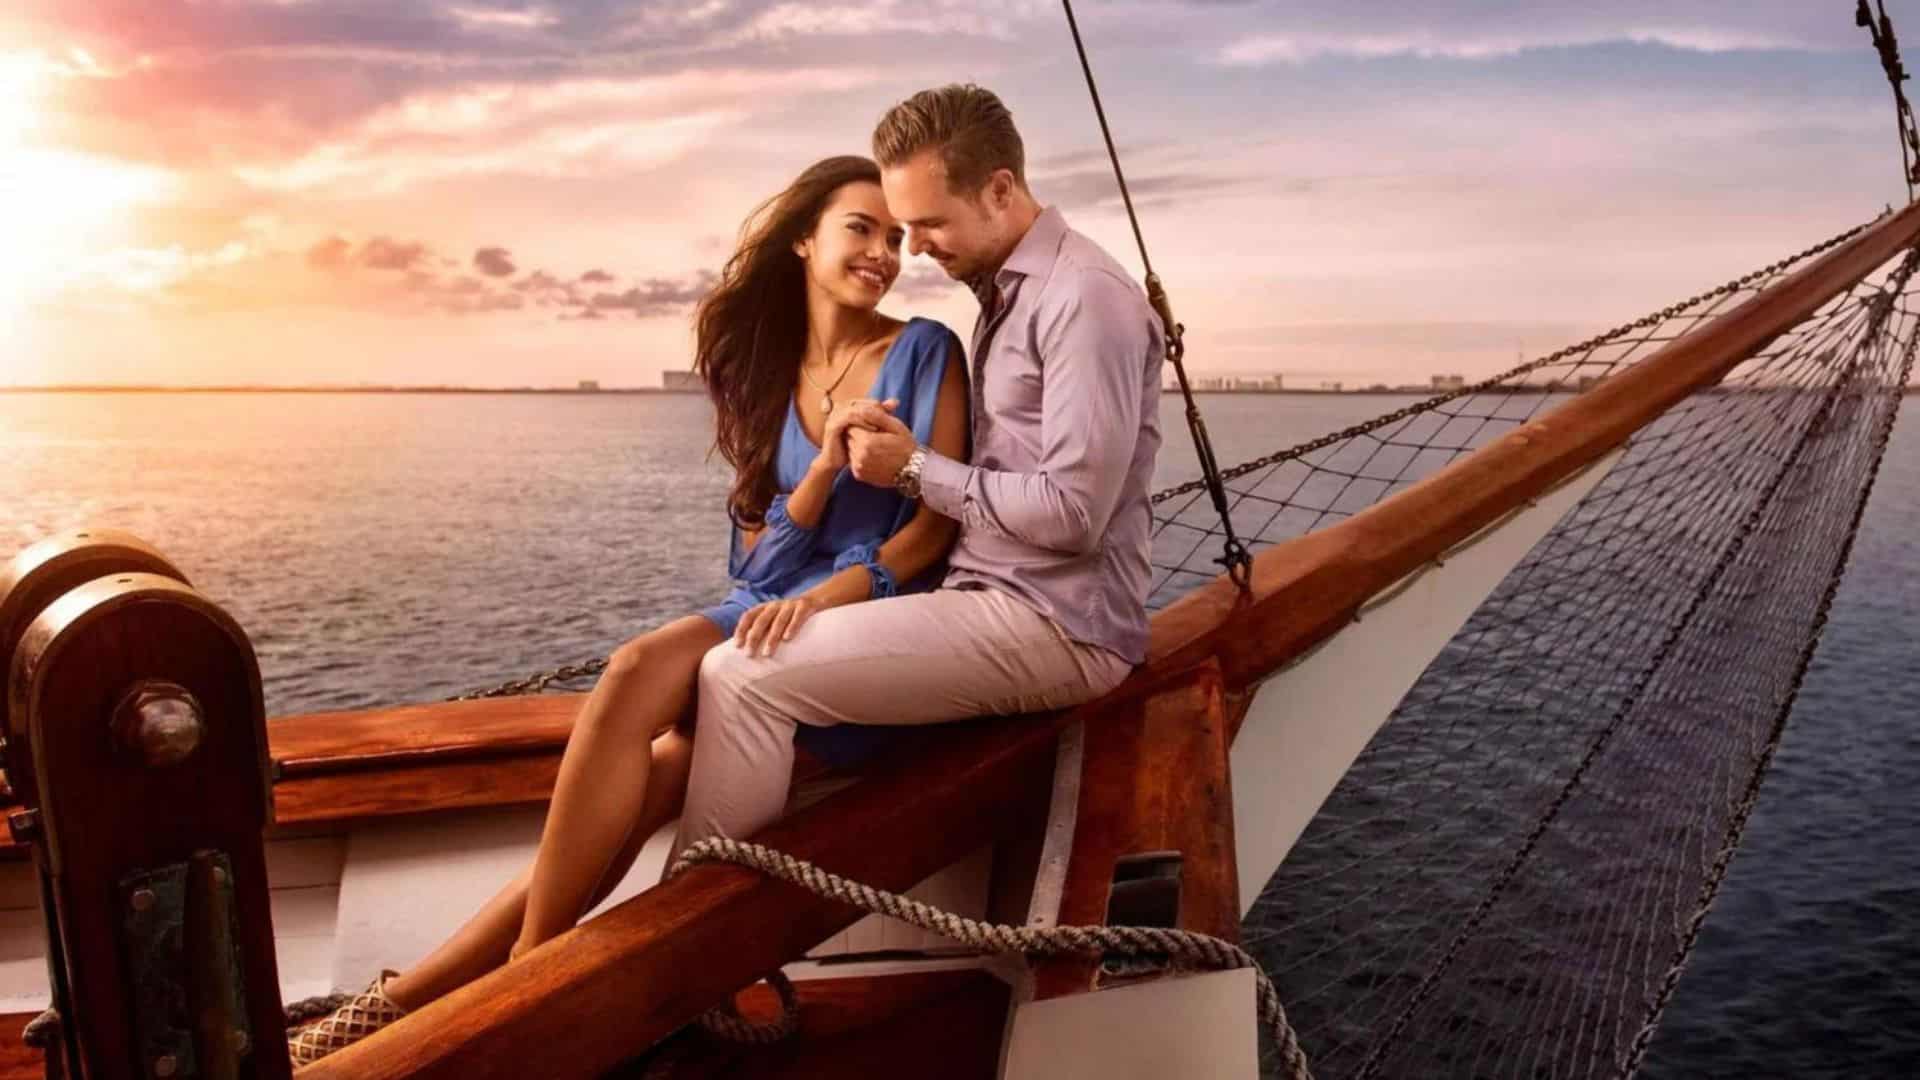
{"points": [[136, 745]]}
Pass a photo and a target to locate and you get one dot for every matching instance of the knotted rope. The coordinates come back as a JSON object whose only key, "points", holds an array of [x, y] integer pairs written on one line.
{"points": [[1181, 950]]}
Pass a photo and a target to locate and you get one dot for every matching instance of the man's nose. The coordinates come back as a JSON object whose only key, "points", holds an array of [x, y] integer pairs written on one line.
{"points": [[917, 242]]}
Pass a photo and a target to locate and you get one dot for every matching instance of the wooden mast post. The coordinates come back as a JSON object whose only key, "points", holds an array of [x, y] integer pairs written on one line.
{"points": [[136, 743]]}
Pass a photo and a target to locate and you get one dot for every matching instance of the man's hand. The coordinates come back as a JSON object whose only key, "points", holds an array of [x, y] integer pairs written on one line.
{"points": [[878, 444], [877, 457], [833, 441]]}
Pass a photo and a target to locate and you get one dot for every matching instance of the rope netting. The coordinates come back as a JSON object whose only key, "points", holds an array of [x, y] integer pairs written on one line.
{"points": [[1509, 879]]}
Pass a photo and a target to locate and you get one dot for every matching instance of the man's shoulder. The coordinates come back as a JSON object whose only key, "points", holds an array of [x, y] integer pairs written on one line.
{"points": [[1084, 265]]}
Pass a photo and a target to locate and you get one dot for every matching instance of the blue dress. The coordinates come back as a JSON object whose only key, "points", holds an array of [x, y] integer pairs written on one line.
{"points": [[859, 517]]}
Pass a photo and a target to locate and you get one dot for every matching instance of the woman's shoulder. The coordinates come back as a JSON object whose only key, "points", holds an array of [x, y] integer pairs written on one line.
{"points": [[928, 333]]}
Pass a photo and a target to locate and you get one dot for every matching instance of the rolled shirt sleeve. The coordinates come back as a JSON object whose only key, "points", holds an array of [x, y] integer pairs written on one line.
{"points": [[1095, 348]]}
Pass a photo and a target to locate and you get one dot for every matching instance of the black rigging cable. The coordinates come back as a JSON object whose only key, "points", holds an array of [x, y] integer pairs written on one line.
{"points": [[1238, 562], [1888, 47]]}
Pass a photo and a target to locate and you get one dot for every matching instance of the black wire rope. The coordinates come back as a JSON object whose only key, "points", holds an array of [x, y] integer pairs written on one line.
{"points": [[1236, 559]]}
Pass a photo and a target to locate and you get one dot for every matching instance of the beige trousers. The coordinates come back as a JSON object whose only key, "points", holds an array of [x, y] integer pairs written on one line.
{"points": [[919, 659]]}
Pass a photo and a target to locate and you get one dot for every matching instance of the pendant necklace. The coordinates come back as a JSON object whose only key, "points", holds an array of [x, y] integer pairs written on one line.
{"points": [[826, 392]]}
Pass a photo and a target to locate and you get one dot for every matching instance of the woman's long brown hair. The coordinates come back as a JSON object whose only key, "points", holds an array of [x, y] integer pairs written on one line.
{"points": [[750, 332]]}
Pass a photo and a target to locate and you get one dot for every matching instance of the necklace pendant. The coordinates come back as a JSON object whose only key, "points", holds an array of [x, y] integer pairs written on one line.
{"points": [[826, 403]]}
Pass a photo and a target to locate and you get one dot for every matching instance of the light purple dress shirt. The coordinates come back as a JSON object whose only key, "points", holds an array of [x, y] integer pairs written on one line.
{"points": [[1066, 422]]}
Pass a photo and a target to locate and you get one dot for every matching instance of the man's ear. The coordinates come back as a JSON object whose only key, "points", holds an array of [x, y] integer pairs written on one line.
{"points": [[1000, 188]]}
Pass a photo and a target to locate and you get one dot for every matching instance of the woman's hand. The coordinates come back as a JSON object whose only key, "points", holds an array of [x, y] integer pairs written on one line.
{"points": [[833, 441], [765, 626]]}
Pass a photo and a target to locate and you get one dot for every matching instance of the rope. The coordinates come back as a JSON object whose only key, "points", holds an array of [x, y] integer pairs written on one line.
{"points": [[1375, 1061], [1237, 559], [1889, 49], [1750, 796], [1181, 950]]}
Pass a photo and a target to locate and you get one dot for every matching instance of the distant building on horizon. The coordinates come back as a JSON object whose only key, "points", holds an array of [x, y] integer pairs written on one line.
{"points": [[590, 385], [1444, 383], [683, 381], [1230, 382]]}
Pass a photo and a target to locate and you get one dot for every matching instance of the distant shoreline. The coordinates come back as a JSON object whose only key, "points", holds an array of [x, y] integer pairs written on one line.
{"points": [[615, 391], [83, 389]]}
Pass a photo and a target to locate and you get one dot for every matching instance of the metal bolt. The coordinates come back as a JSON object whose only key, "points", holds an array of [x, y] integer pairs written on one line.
{"points": [[219, 875], [142, 900], [160, 723], [25, 825], [241, 1044], [165, 1065]]}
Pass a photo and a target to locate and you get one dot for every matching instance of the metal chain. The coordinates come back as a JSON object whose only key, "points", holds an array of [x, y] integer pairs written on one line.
{"points": [[534, 684], [1429, 404], [1889, 49], [1182, 950]]}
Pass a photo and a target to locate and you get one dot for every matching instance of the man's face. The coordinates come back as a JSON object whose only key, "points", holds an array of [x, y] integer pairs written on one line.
{"points": [[963, 234]]}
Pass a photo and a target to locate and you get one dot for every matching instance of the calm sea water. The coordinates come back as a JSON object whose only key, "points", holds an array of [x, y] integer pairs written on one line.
{"points": [[389, 548]]}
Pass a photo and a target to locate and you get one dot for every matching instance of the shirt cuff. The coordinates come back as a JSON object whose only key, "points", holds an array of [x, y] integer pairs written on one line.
{"points": [[943, 484]]}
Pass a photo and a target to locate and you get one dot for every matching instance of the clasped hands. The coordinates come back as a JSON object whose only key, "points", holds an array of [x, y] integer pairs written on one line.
{"points": [[863, 435]]}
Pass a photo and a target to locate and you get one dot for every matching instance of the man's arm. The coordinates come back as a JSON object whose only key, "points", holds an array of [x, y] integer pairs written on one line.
{"points": [[1093, 357]]}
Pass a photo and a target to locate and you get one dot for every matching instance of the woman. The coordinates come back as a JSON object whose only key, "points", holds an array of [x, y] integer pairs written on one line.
{"points": [[788, 342]]}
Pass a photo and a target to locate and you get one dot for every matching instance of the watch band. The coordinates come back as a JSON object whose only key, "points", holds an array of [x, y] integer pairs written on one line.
{"points": [[907, 481]]}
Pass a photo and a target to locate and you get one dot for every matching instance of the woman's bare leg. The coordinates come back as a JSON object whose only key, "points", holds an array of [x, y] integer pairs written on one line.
{"points": [[603, 774], [486, 940], [650, 792]]}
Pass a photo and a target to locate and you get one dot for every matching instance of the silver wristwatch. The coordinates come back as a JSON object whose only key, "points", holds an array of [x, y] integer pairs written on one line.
{"points": [[907, 481]]}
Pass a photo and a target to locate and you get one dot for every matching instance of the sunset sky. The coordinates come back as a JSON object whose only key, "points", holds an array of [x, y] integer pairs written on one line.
{"points": [[494, 192]]}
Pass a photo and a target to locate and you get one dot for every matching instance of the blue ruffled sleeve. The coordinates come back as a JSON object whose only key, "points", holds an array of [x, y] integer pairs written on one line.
{"points": [[868, 555], [783, 548]]}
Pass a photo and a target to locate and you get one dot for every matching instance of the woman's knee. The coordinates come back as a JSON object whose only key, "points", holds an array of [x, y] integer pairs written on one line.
{"points": [[661, 650]]}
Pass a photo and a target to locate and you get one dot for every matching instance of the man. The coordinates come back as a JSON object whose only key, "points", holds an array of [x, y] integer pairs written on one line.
{"points": [[1044, 605]]}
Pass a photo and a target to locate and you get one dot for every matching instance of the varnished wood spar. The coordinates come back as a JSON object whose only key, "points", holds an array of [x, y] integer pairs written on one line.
{"points": [[1305, 590], [18, 1061], [1155, 779], [613, 986], [942, 1025], [411, 735]]}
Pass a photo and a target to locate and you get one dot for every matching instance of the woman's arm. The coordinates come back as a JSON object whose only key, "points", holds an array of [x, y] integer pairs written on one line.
{"points": [[921, 542], [927, 538], [802, 509]]}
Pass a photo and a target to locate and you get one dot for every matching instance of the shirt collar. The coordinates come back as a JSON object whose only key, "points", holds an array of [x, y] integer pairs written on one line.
{"points": [[1033, 256]]}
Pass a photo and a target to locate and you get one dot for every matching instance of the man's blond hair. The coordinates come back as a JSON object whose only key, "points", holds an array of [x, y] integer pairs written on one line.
{"points": [[968, 125]]}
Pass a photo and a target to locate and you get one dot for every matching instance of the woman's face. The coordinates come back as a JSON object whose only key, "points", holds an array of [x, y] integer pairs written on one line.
{"points": [[853, 255]]}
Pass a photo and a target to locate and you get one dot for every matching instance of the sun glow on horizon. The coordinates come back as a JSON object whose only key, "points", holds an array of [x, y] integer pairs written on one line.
{"points": [[57, 207]]}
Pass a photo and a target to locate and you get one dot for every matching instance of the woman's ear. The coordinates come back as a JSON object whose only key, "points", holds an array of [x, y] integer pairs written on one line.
{"points": [[803, 247]]}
